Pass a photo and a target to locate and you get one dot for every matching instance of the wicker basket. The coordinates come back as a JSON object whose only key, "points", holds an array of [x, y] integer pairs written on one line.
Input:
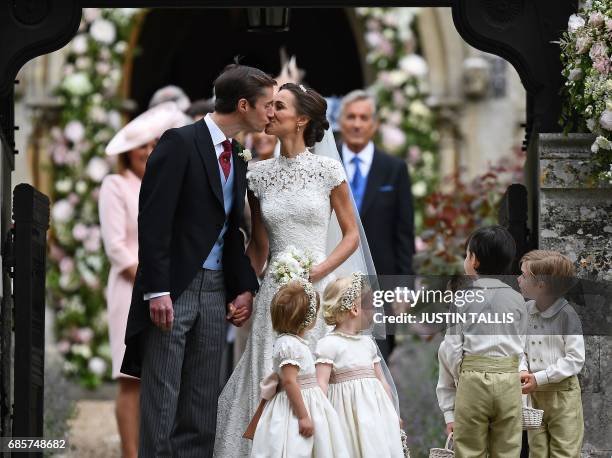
{"points": [[532, 418], [446, 452]]}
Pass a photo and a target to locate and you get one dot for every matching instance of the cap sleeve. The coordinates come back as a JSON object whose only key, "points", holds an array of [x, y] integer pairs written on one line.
{"points": [[334, 174], [325, 351], [373, 350], [288, 351]]}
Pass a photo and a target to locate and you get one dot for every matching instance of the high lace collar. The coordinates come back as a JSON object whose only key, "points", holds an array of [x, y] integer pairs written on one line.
{"points": [[283, 160]]}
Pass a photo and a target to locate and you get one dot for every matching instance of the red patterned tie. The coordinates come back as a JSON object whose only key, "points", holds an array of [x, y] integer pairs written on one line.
{"points": [[225, 158]]}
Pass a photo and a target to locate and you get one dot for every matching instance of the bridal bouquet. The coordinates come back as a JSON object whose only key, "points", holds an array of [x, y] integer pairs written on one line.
{"points": [[292, 263]]}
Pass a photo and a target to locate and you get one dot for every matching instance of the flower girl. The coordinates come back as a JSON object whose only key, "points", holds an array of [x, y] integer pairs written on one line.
{"points": [[348, 367], [299, 420]]}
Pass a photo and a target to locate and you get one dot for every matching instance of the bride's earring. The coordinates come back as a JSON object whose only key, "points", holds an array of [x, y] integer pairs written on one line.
{"points": [[298, 127]]}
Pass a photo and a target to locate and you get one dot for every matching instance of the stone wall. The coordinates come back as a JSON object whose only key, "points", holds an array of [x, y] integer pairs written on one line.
{"points": [[576, 219]]}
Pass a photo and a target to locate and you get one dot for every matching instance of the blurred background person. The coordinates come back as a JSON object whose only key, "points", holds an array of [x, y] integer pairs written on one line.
{"points": [[382, 191], [118, 207], [264, 146], [200, 108]]}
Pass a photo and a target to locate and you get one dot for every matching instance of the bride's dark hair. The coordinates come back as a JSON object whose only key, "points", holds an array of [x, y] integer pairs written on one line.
{"points": [[310, 103]]}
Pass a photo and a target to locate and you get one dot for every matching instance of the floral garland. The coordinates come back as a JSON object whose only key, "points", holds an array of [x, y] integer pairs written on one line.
{"points": [[586, 54], [90, 115], [406, 122]]}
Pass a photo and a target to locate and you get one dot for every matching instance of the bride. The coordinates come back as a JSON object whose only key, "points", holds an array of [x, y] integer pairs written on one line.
{"points": [[291, 199]]}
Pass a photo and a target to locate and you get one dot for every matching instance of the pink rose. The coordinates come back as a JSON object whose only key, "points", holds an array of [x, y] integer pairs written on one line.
{"points": [[596, 19], [598, 51], [602, 65]]}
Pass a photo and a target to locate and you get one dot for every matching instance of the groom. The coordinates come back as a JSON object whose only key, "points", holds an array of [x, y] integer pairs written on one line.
{"points": [[191, 264]]}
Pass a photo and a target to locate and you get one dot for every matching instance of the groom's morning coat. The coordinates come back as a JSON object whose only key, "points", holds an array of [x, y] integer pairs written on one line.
{"points": [[180, 216]]}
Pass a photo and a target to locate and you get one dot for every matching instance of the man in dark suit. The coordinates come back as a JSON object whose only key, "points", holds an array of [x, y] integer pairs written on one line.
{"points": [[193, 273], [381, 188]]}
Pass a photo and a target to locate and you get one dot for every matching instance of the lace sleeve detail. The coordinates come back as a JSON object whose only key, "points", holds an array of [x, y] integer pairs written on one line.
{"points": [[325, 351], [334, 173]]}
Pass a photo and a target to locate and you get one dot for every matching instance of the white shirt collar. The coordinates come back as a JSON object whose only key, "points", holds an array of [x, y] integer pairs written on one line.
{"points": [[550, 311], [366, 155], [216, 133]]}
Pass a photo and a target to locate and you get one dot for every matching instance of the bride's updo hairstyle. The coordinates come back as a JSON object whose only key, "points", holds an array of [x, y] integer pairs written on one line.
{"points": [[311, 104]]}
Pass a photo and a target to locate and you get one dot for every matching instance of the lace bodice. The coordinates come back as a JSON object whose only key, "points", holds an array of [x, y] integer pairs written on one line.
{"points": [[293, 194]]}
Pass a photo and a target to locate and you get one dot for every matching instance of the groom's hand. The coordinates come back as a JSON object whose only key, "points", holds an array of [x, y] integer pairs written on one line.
{"points": [[239, 310], [162, 312]]}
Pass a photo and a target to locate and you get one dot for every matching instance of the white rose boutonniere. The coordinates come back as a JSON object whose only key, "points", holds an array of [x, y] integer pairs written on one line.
{"points": [[246, 155], [242, 152]]}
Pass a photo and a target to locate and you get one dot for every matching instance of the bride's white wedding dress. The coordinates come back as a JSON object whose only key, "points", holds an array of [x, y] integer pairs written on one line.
{"points": [[294, 197]]}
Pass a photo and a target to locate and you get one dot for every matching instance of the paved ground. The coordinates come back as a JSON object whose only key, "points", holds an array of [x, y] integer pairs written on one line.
{"points": [[93, 428]]}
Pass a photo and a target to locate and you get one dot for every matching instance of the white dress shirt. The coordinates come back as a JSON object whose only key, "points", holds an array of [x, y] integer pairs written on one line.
{"points": [[490, 339], [555, 346], [218, 137], [366, 155]]}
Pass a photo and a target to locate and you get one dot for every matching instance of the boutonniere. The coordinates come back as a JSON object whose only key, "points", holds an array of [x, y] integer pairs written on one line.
{"points": [[241, 151]]}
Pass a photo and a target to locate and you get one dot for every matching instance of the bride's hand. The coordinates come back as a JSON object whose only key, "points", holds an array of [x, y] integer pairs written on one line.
{"points": [[316, 273]]}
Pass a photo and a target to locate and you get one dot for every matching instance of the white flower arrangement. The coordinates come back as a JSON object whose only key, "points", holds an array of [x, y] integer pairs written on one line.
{"points": [[291, 264], [586, 53]]}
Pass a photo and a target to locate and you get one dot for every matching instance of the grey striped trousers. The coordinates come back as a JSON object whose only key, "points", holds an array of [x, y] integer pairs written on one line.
{"points": [[180, 374]]}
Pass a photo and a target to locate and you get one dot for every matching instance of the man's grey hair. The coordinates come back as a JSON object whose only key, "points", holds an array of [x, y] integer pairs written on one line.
{"points": [[356, 96]]}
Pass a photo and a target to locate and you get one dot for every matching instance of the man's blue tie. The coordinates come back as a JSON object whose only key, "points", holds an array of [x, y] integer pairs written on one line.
{"points": [[357, 182]]}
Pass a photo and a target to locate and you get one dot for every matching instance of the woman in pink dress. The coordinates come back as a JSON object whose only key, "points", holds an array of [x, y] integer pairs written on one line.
{"points": [[118, 206]]}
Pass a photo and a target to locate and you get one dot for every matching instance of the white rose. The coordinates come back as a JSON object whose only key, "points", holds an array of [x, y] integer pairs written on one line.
{"points": [[121, 47], [84, 335], [81, 350], [78, 84], [603, 143], [591, 124], [97, 169], [605, 120], [97, 114], [64, 186], [74, 131], [575, 74], [419, 189], [414, 65], [246, 154], [575, 22], [62, 211], [103, 31], [81, 187], [79, 44], [397, 77], [83, 63], [114, 119], [583, 44], [97, 366]]}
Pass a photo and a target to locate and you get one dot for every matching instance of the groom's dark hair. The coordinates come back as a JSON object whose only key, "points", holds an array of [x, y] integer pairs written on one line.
{"points": [[239, 82]]}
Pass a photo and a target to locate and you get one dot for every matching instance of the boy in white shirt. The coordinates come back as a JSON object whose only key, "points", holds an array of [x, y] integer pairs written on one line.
{"points": [[555, 352], [479, 387]]}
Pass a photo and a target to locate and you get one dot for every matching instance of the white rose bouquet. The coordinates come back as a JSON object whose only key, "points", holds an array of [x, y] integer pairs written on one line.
{"points": [[292, 263], [586, 54]]}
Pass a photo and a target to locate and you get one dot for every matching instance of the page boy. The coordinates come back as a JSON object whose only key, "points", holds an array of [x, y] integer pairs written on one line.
{"points": [[479, 388], [555, 352]]}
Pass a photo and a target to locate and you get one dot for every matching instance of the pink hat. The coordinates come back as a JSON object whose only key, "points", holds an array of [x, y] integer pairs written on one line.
{"points": [[147, 127]]}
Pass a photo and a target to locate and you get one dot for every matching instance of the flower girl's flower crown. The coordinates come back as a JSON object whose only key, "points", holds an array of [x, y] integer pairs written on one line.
{"points": [[349, 296], [311, 314]]}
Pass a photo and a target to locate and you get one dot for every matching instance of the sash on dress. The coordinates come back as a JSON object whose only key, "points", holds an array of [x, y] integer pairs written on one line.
{"points": [[269, 386]]}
